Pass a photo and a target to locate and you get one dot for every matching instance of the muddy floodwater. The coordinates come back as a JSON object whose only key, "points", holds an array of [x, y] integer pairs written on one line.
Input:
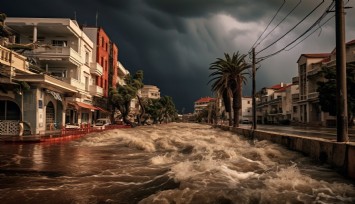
{"points": [[171, 163]]}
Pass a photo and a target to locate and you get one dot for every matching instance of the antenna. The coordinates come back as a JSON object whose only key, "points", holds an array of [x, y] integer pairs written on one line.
{"points": [[74, 15]]}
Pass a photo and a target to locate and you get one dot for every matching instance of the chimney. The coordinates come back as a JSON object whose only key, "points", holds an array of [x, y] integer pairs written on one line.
{"points": [[282, 84]]}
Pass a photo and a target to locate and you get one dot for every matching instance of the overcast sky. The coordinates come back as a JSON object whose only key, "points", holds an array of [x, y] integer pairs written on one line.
{"points": [[174, 41]]}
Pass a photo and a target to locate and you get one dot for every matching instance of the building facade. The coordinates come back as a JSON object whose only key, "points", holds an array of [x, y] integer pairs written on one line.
{"points": [[274, 104], [201, 104], [150, 91], [61, 88], [309, 69], [105, 54]]}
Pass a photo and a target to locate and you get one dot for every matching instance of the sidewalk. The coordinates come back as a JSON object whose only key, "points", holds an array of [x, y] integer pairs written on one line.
{"points": [[319, 132]]}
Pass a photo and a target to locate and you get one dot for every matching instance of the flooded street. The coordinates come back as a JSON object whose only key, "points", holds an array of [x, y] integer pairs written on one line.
{"points": [[173, 163]]}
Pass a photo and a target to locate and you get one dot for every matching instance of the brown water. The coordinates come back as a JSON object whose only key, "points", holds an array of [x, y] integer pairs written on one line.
{"points": [[174, 163]]}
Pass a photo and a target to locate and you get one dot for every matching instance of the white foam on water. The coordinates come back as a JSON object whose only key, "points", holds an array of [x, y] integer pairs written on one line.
{"points": [[213, 164]]}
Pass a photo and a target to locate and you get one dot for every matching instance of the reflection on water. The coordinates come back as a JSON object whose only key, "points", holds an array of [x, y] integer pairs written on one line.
{"points": [[174, 163]]}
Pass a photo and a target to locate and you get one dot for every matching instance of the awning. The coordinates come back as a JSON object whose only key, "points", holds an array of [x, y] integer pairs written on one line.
{"points": [[54, 94], [101, 109], [86, 105]]}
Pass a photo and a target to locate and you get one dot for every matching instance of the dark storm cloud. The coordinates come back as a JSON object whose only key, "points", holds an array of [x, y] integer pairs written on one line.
{"points": [[174, 41]]}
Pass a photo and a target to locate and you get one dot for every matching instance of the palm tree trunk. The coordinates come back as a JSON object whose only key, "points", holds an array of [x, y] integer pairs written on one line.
{"points": [[235, 110], [230, 113]]}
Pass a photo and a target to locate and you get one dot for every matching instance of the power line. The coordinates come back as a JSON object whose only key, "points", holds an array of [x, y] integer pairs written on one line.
{"points": [[304, 33], [292, 28], [311, 33], [300, 1], [282, 5]]}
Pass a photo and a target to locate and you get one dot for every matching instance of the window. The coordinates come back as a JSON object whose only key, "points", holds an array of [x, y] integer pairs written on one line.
{"points": [[59, 43], [102, 41], [248, 102], [87, 58], [86, 83]]}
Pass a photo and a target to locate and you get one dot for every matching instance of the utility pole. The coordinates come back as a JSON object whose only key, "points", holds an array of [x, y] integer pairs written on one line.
{"points": [[341, 90], [253, 91]]}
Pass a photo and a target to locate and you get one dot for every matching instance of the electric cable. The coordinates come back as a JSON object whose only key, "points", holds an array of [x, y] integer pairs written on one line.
{"points": [[282, 5], [292, 28], [300, 1]]}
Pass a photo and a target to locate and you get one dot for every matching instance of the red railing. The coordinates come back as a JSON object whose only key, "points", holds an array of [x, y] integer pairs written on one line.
{"points": [[71, 133]]}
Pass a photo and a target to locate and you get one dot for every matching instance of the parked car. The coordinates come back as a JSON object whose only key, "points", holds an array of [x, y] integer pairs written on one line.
{"points": [[103, 122], [245, 121]]}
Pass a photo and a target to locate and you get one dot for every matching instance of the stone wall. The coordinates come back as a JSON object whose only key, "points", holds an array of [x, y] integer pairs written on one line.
{"points": [[339, 155]]}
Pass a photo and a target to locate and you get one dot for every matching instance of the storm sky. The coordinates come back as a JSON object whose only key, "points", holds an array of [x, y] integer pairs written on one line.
{"points": [[174, 41]]}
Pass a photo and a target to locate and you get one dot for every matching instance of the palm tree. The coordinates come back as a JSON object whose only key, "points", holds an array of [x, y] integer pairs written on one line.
{"points": [[228, 75]]}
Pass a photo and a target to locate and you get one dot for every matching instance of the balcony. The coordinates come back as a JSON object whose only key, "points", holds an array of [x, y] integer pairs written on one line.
{"points": [[276, 100], [79, 85], [96, 69], [295, 97], [331, 63], [58, 53], [96, 90], [47, 81], [312, 96], [295, 80], [10, 58], [314, 71]]}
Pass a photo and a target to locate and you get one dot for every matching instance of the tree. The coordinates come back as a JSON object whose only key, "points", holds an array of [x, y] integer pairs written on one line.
{"points": [[161, 109], [121, 96], [228, 76], [327, 91]]}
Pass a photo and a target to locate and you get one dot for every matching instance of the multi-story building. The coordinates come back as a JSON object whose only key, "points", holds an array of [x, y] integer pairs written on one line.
{"points": [[60, 92], [150, 91], [309, 67], [202, 103], [274, 105], [105, 53], [309, 70]]}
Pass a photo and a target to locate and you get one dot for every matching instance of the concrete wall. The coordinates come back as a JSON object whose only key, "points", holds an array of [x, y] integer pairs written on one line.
{"points": [[339, 155]]}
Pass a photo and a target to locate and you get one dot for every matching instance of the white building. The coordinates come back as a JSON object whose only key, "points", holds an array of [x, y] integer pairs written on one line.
{"points": [[246, 111], [150, 91], [275, 103], [61, 93]]}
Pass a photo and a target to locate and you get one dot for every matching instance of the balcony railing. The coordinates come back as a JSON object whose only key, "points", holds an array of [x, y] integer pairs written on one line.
{"points": [[331, 63], [79, 85], [96, 69], [313, 95], [276, 100], [57, 52], [96, 90], [295, 80], [13, 59], [314, 71]]}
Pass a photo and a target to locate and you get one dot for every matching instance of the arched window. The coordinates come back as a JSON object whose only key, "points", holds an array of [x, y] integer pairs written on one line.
{"points": [[9, 110]]}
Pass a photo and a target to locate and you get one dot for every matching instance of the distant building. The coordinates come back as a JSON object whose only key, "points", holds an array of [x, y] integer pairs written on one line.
{"points": [[150, 91], [246, 110], [202, 103], [274, 104]]}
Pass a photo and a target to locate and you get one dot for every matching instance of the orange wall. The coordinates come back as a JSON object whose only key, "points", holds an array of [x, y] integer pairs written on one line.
{"points": [[102, 58]]}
